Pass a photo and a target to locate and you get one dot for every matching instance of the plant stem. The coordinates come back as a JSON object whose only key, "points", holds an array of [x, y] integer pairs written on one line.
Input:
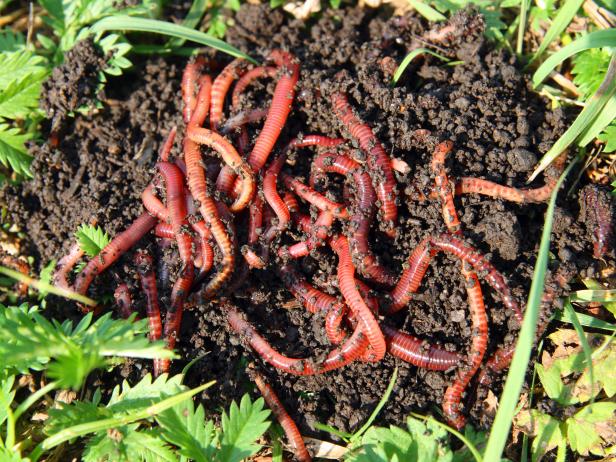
{"points": [[33, 398]]}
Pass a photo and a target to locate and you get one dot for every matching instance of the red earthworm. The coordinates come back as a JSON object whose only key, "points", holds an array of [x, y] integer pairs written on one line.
{"points": [[189, 85], [291, 202], [114, 250], [317, 234], [279, 110], [418, 352], [397, 164], [252, 259], [145, 268], [597, 211], [338, 357], [164, 230], [231, 157], [314, 301], [65, 266], [488, 188], [443, 188], [271, 195], [497, 362], [363, 212], [379, 162], [123, 300], [207, 253], [221, 86], [313, 140], [243, 118], [479, 343], [204, 98], [311, 196], [247, 79], [225, 182], [418, 264], [153, 204], [168, 145], [348, 288], [286, 422], [255, 220]]}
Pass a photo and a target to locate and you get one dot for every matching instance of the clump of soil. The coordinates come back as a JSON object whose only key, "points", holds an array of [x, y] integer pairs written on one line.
{"points": [[484, 105]]}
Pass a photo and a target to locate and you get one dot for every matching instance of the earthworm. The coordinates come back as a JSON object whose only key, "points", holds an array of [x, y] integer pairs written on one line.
{"points": [[271, 195], [221, 86], [65, 266], [338, 357], [314, 301], [207, 206], [279, 110], [168, 145], [346, 282], [153, 204], [189, 85], [363, 212], [418, 352], [231, 157], [418, 264], [598, 213], [317, 234], [176, 206], [247, 79], [379, 162], [252, 259], [443, 188], [291, 202], [243, 118], [123, 300], [488, 188], [255, 220], [145, 268], [164, 230], [313, 140], [204, 97], [479, 342], [311, 196], [114, 250], [207, 253], [286, 422]]}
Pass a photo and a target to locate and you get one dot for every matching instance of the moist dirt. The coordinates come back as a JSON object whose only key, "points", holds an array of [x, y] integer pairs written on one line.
{"points": [[94, 168]]}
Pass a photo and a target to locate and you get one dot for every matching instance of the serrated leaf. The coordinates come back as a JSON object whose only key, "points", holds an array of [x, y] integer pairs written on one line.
{"points": [[6, 396], [546, 431], [589, 68], [241, 428], [127, 397], [92, 239], [17, 65], [126, 444], [593, 429], [78, 412], [13, 152], [20, 97], [608, 136], [186, 428], [11, 41]]}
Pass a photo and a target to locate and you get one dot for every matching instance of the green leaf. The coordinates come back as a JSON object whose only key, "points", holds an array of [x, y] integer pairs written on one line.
{"points": [[608, 136], [10, 455], [603, 119], [592, 428], [596, 39], [92, 239], [546, 431], [11, 41], [426, 11], [191, 20], [560, 23], [30, 340], [45, 277], [426, 442], [6, 396], [126, 444], [186, 428], [20, 97], [589, 69], [127, 397], [409, 58], [13, 152], [241, 428], [587, 321], [165, 28]]}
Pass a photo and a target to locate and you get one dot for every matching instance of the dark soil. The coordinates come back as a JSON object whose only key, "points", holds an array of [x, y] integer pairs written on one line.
{"points": [[485, 105]]}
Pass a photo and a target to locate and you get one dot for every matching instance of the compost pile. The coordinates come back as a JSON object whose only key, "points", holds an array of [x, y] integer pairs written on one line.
{"points": [[317, 249]]}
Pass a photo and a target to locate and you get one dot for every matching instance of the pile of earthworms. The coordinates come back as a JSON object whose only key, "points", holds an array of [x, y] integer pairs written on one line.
{"points": [[197, 202]]}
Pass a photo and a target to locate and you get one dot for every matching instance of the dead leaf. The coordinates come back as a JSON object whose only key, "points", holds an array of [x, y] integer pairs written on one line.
{"points": [[324, 449], [303, 10], [490, 404]]}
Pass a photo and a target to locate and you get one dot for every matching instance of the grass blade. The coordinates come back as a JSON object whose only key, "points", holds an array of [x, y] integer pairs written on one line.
{"points": [[605, 117], [45, 287], [192, 20], [560, 23], [592, 295], [596, 39], [521, 357], [586, 321], [427, 11], [524, 4], [378, 407], [410, 57], [593, 108], [585, 346], [128, 23]]}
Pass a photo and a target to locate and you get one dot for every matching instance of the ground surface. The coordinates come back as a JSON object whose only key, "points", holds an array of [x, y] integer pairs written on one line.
{"points": [[484, 104]]}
